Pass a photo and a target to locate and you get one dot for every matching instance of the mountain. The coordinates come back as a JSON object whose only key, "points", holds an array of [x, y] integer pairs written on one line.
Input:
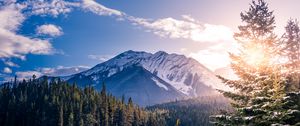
{"points": [[143, 86], [150, 78]]}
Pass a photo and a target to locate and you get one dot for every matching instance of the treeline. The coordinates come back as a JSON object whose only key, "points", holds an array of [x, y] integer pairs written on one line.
{"points": [[57, 103], [195, 111]]}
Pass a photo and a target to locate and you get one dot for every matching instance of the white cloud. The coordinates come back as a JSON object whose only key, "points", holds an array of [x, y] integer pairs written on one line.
{"points": [[57, 71], [9, 63], [215, 56], [101, 58], [220, 37], [93, 6], [14, 45], [11, 18], [189, 18], [49, 29], [7, 70], [187, 29], [50, 7], [56, 7], [62, 71], [27, 74]]}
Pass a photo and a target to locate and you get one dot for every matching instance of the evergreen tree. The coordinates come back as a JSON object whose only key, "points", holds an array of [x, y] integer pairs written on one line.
{"points": [[291, 51], [71, 119], [60, 116], [37, 102], [129, 113], [261, 92], [136, 119], [291, 44]]}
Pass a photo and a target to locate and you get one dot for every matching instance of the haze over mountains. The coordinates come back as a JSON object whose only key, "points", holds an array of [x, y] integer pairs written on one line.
{"points": [[226, 72], [150, 78]]}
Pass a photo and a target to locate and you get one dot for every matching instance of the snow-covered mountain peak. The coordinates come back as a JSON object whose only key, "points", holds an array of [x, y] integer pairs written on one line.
{"points": [[119, 62], [131, 54], [185, 74], [160, 53]]}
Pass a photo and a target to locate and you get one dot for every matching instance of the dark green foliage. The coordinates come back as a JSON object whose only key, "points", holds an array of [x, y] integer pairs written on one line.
{"points": [[194, 112], [39, 103]]}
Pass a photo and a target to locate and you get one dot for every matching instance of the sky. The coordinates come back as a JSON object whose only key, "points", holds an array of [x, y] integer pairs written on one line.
{"points": [[60, 37]]}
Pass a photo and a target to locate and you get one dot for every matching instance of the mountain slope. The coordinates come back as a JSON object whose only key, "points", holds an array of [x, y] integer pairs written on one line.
{"points": [[166, 71], [144, 87], [194, 111], [185, 74]]}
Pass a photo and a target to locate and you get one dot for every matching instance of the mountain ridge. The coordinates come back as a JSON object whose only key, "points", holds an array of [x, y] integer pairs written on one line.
{"points": [[186, 75]]}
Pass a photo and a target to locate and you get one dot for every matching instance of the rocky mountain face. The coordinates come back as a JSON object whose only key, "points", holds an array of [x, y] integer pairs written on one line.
{"points": [[150, 78]]}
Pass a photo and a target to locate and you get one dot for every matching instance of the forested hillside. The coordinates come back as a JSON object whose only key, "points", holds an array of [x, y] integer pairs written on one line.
{"points": [[56, 103], [195, 111]]}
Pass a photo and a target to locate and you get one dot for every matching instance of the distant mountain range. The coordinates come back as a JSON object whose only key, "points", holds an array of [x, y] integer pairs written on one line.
{"points": [[150, 78]]}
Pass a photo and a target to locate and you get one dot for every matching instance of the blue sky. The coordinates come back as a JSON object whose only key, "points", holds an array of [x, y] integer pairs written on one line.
{"points": [[59, 34]]}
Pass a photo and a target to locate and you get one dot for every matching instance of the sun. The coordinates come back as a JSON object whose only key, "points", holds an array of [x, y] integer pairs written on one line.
{"points": [[255, 56]]}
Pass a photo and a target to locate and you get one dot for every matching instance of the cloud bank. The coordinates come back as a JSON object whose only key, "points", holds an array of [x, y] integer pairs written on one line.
{"points": [[13, 44], [25, 75], [187, 29], [57, 71]]}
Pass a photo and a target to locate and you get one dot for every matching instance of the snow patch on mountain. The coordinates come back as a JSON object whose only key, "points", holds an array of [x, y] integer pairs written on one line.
{"points": [[185, 89], [158, 83]]}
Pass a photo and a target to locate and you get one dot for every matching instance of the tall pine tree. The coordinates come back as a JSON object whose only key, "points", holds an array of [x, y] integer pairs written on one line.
{"points": [[291, 44], [260, 95]]}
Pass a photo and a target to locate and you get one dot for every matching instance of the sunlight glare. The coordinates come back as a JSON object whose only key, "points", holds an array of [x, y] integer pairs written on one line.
{"points": [[255, 56]]}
